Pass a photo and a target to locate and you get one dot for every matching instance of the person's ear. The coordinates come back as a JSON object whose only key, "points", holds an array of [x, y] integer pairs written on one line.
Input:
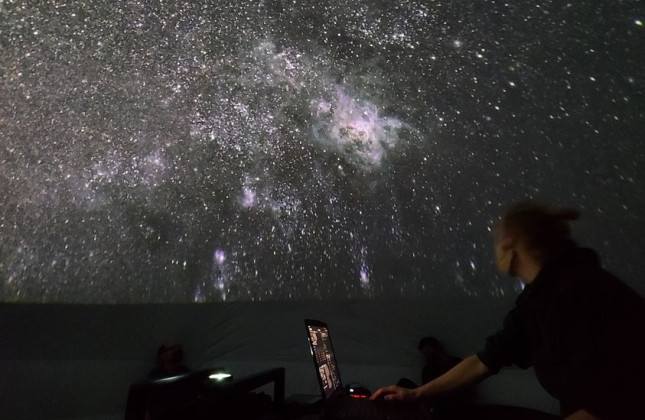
{"points": [[507, 243]]}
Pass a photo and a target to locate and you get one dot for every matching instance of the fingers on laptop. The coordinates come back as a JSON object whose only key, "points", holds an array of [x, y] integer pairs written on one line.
{"points": [[389, 393]]}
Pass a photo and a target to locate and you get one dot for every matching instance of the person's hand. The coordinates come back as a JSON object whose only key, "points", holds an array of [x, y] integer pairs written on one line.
{"points": [[394, 393]]}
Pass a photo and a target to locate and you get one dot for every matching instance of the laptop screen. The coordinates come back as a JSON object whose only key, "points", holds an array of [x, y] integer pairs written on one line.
{"points": [[324, 359]]}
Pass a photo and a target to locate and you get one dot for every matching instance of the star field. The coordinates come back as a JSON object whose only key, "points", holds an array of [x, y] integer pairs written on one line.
{"points": [[155, 151]]}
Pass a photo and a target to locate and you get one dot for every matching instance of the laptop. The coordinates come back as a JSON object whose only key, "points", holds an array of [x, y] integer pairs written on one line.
{"points": [[349, 402]]}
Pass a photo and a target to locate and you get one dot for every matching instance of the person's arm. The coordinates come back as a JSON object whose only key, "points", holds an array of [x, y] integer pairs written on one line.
{"points": [[468, 372], [582, 415]]}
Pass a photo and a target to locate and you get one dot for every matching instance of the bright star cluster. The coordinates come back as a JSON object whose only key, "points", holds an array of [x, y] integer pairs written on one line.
{"points": [[198, 151]]}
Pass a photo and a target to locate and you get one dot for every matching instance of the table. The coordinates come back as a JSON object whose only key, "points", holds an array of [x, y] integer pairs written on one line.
{"points": [[195, 396]]}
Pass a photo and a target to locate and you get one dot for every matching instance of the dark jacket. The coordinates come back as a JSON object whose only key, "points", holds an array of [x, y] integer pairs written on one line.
{"points": [[583, 331]]}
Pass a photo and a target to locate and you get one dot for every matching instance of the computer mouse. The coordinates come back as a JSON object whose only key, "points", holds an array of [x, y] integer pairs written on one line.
{"points": [[358, 391]]}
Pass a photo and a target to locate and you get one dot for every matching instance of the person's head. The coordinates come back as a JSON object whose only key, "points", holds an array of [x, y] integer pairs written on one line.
{"points": [[527, 234], [431, 349], [169, 357]]}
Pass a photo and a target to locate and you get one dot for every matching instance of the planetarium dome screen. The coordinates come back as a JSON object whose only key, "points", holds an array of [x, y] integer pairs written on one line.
{"points": [[200, 151]]}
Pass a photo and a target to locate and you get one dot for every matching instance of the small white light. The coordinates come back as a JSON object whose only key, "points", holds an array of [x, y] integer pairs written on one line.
{"points": [[220, 376]]}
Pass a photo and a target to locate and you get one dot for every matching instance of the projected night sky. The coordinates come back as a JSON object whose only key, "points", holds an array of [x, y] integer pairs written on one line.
{"points": [[196, 151]]}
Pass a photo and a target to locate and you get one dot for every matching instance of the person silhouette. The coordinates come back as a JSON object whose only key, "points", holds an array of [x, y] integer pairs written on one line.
{"points": [[579, 326], [437, 361], [169, 362]]}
